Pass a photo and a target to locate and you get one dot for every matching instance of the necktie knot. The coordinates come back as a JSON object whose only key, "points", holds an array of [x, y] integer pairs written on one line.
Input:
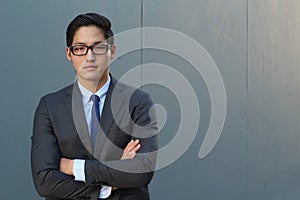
{"points": [[95, 98]]}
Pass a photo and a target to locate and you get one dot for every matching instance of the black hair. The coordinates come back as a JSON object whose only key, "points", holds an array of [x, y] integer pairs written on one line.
{"points": [[89, 19]]}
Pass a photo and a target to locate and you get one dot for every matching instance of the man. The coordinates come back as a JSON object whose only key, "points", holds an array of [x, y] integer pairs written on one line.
{"points": [[72, 157]]}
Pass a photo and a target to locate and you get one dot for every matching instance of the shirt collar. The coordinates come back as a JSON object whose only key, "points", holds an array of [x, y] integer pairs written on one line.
{"points": [[86, 94]]}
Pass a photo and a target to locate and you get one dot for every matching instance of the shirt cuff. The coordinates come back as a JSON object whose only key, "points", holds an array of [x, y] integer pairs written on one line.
{"points": [[78, 170], [105, 192]]}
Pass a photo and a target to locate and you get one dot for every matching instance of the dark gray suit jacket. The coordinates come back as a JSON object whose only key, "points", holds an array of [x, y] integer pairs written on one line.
{"points": [[60, 130]]}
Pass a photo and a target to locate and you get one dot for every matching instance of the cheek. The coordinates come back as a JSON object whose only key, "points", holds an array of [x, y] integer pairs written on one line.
{"points": [[105, 63], [77, 63], [107, 59]]}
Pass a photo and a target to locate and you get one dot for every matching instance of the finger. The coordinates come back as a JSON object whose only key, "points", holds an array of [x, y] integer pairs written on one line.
{"points": [[136, 148], [128, 147], [131, 145]]}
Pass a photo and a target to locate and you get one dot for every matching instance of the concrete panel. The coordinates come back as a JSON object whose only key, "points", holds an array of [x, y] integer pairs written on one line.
{"points": [[221, 28], [273, 138], [33, 64]]}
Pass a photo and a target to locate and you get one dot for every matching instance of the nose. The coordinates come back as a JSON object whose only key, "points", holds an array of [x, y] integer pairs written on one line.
{"points": [[90, 56]]}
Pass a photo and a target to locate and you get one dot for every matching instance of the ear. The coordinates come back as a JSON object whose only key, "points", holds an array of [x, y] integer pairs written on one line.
{"points": [[113, 50], [68, 54]]}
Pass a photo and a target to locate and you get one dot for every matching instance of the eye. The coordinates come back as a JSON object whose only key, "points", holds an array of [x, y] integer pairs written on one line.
{"points": [[79, 48], [100, 47]]}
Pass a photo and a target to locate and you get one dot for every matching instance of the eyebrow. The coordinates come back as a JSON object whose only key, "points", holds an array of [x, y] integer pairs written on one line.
{"points": [[82, 43]]}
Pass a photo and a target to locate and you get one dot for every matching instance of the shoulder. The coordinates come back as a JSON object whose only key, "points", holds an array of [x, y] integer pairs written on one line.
{"points": [[134, 94], [53, 101], [57, 96], [64, 91]]}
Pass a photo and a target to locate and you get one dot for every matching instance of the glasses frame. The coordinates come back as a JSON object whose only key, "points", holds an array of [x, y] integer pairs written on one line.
{"points": [[90, 48]]}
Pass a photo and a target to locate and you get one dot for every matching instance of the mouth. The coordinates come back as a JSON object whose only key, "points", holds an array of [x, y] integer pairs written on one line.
{"points": [[90, 68]]}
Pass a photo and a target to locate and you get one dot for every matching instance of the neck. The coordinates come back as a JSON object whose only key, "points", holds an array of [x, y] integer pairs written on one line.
{"points": [[94, 86]]}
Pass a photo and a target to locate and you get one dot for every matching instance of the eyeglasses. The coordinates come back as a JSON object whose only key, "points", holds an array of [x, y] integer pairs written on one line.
{"points": [[97, 49]]}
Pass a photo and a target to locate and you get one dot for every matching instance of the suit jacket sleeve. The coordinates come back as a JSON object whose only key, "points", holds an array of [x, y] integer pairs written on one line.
{"points": [[45, 162], [130, 173]]}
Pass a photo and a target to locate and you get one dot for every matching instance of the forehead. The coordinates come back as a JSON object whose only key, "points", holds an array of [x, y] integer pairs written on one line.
{"points": [[88, 35]]}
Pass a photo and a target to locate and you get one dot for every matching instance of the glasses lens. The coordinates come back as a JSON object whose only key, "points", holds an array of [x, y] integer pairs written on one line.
{"points": [[100, 49], [79, 49]]}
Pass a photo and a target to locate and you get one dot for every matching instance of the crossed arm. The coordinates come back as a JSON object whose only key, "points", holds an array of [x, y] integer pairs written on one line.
{"points": [[66, 165]]}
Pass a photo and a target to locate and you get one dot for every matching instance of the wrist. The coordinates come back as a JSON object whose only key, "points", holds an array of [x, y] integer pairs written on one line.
{"points": [[71, 167]]}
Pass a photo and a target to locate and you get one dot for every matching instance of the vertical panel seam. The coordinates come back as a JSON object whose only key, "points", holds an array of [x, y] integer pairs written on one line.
{"points": [[142, 51], [247, 99]]}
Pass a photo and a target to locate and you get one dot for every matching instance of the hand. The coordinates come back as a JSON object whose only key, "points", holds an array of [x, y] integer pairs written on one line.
{"points": [[66, 166], [131, 149]]}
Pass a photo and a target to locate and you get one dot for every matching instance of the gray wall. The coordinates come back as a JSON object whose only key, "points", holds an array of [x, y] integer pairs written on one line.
{"points": [[255, 45]]}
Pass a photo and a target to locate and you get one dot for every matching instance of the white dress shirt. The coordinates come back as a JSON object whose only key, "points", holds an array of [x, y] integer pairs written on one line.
{"points": [[78, 166]]}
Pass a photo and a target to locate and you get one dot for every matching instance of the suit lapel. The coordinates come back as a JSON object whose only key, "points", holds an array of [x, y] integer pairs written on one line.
{"points": [[74, 105], [107, 117]]}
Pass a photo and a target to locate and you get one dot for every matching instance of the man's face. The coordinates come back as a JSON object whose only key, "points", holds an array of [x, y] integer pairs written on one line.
{"points": [[90, 67]]}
